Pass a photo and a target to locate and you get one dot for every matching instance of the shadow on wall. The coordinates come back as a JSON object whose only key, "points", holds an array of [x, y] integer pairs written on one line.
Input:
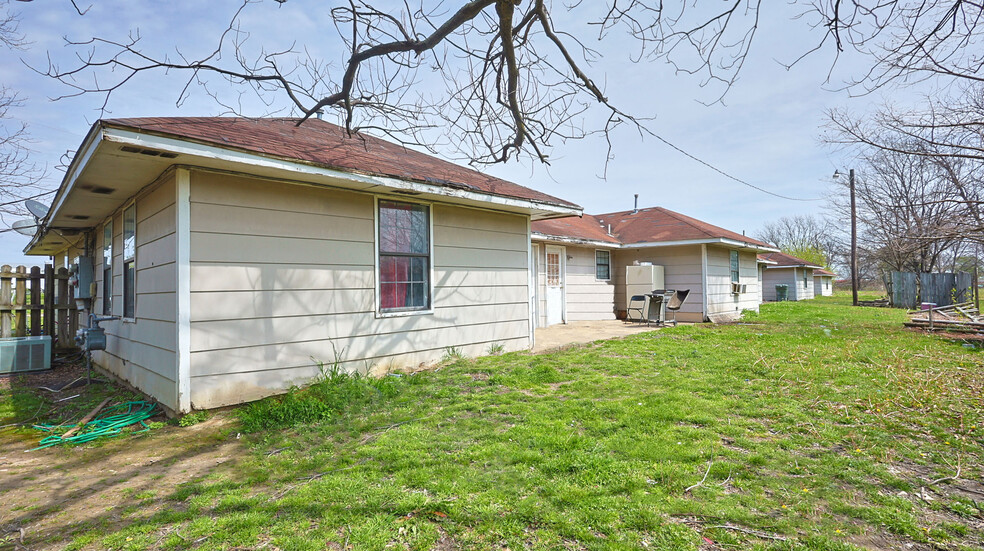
{"points": [[258, 329]]}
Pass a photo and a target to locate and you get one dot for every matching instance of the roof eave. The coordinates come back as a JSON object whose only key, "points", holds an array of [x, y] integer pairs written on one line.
{"points": [[537, 236], [190, 146], [89, 145], [704, 241]]}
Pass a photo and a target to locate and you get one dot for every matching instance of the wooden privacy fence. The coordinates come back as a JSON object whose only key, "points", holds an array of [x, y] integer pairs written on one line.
{"points": [[36, 301], [909, 289]]}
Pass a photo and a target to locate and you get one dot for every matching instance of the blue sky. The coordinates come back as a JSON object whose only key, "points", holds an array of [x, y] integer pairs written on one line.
{"points": [[766, 131]]}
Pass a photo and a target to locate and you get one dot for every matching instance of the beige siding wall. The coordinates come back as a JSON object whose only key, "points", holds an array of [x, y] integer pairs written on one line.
{"points": [[823, 286], [722, 304], [142, 352], [588, 298], [539, 253], [682, 271], [789, 276], [281, 274]]}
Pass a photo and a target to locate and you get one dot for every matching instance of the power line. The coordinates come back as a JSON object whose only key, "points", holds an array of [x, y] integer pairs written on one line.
{"points": [[725, 174]]}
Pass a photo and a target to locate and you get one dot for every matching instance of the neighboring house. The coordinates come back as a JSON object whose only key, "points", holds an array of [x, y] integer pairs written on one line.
{"points": [[240, 252], [581, 264], [788, 270], [823, 283], [762, 264]]}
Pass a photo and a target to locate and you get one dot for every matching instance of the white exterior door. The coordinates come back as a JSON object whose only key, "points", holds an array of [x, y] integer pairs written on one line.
{"points": [[555, 284]]}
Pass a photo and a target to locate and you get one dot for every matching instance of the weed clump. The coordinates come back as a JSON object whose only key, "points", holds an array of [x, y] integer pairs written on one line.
{"points": [[330, 395]]}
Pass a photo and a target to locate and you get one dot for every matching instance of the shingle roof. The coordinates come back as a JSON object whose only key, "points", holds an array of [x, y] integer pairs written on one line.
{"points": [[823, 272], [322, 143], [576, 227], [785, 260], [649, 225]]}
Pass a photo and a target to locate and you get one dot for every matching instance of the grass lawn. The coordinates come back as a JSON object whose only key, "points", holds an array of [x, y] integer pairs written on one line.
{"points": [[812, 425]]}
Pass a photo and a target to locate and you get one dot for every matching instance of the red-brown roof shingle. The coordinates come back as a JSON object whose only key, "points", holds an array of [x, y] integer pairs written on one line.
{"points": [[576, 227], [322, 143], [649, 225]]}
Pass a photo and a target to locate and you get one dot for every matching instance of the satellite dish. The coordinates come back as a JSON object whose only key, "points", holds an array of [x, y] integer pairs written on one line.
{"points": [[37, 208], [25, 227]]}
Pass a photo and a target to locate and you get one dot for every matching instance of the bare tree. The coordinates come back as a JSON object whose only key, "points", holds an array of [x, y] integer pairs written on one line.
{"points": [[951, 125], [909, 216], [19, 177], [796, 234], [515, 81]]}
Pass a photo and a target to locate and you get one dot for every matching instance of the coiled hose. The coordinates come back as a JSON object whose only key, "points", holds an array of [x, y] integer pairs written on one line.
{"points": [[110, 422]]}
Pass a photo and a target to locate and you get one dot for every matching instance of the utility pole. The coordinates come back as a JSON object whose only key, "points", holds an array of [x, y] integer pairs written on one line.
{"points": [[854, 241]]}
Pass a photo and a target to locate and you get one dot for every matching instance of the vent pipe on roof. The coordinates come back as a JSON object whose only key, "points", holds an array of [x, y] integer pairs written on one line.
{"points": [[635, 207], [609, 229], [320, 113]]}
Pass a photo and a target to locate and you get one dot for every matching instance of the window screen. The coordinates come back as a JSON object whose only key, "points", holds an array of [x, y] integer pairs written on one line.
{"points": [[734, 267], [603, 266], [129, 261], [404, 256]]}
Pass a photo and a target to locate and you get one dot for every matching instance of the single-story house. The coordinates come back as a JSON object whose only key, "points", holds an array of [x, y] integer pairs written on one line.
{"points": [[795, 273], [581, 262], [823, 283], [762, 264], [237, 253]]}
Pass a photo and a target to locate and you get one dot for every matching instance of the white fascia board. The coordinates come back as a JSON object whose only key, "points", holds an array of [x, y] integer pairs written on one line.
{"points": [[796, 266], [760, 261], [183, 147], [710, 241], [89, 146], [574, 241]]}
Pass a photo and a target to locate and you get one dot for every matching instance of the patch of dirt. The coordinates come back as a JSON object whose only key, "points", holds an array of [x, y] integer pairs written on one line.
{"points": [[479, 376], [54, 492], [878, 541]]}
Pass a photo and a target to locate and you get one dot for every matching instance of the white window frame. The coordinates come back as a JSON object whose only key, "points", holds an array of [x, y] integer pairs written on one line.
{"points": [[806, 278], [734, 274], [375, 240], [124, 258], [107, 285], [609, 253]]}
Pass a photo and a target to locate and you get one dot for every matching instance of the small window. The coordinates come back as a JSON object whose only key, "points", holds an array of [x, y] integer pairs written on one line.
{"points": [[806, 279], [553, 269], [734, 267], [129, 261], [603, 265], [107, 275], [404, 257]]}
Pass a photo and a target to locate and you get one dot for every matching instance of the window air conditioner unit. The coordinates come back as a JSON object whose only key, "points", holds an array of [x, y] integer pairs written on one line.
{"points": [[21, 354], [738, 288]]}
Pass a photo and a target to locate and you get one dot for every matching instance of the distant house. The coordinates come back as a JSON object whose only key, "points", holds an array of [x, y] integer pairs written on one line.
{"points": [[795, 273], [823, 283], [581, 262], [239, 252]]}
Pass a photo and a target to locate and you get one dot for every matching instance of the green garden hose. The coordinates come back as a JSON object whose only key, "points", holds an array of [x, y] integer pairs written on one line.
{"points": [[110, 422]]}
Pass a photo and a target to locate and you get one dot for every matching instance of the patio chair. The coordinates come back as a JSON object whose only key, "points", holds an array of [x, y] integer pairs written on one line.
{"points": [[676, 302], [636, 304]]}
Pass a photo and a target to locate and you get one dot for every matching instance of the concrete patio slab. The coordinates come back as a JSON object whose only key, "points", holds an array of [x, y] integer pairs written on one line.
{"points": [[579, 332]]}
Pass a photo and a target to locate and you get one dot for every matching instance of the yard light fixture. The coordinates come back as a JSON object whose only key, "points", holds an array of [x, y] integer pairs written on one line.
{"points": [[854, 235]]}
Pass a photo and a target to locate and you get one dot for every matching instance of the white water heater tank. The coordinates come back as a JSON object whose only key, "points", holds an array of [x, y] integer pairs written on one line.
{"points": [[642, 279]]}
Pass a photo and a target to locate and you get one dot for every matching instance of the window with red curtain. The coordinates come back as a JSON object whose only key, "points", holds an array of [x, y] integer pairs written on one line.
{"points": [[404, 256]]}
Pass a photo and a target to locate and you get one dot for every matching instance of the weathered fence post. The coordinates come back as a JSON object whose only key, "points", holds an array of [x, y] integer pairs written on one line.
{"points": [[62, 304], [20, 301], [6, 323], [49, 301], [35, 301]]}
